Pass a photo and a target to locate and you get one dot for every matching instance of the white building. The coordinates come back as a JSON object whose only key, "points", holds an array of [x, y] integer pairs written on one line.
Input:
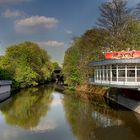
{"points": [[119, 69]]}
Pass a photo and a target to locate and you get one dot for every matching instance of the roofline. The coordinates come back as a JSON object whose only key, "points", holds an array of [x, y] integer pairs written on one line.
{"points": [[115, 61]]}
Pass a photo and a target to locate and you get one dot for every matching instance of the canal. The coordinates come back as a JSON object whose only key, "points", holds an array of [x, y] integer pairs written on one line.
{"points": [[43, 113]]}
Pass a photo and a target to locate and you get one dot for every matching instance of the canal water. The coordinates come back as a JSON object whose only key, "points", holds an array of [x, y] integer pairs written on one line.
{"points": [[42, 113]]}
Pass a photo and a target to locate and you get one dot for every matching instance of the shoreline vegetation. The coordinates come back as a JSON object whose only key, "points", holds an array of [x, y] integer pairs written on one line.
{"points": [[117, 29], [27, 65]]}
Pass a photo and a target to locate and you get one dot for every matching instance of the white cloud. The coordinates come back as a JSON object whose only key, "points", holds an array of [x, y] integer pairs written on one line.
{"points": [[35, 23], [12, 1], [56, 49], [12, 14], [52, 43], [69, 32]]}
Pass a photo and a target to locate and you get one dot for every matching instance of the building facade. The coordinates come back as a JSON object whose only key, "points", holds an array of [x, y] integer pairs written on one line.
{"points": [[119, 69]]}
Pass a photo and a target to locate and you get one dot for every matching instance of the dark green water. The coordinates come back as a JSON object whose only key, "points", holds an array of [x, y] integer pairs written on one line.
{"points": [[45, 114]]}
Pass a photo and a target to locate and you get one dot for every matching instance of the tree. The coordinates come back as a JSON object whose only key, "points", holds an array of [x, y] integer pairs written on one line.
{"points": [[137, 12], [27, 63], [118, 30], [88, 47], [70, 67], [114, 16]]}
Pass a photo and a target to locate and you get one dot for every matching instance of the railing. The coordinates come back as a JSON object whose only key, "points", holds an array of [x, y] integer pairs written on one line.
{"points": [[121, 84]]}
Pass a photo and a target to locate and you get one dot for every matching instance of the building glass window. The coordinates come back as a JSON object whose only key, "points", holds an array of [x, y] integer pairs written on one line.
{"points": [[105, 74], [101, 73], [121, 75], [138, 75], [114, 78], [131, 75], [108, 74]]}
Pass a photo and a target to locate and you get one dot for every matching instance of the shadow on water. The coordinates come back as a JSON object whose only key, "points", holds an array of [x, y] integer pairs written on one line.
{"points": [[25, 108]]}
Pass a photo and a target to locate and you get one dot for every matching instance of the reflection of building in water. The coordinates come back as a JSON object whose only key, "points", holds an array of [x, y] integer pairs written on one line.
{"points": [[119, 69], [106, 121]]}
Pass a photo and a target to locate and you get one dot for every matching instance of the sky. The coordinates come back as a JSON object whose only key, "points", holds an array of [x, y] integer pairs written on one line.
{"points": [[50, 23]]}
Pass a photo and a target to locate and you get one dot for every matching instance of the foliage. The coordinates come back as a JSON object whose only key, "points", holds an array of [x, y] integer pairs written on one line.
{"points": [[4, 75], [70, 68], [27, 64], [76, 67], [117, 30]]}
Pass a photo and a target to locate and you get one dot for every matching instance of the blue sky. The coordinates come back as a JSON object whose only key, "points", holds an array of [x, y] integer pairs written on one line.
{"points": [[50, 23]]}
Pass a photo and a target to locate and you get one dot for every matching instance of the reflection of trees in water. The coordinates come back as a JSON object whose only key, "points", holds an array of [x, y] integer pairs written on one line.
{"points": [[80, 118], [85, 118], [27, 107]]}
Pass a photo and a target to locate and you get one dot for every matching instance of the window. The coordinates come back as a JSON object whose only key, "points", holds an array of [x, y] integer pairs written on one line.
{"points": [[130, 75], [114, 75], [121, 75], [138, 75]]}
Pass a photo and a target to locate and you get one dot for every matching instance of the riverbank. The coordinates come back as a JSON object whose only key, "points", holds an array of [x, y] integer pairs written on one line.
{"points": [[88, 92]]}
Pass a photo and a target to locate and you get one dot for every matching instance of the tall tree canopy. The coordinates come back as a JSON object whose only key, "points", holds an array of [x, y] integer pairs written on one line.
{"points": [[27, 63], [84, 49], [137, 11], [114, 16], [117, 30]]}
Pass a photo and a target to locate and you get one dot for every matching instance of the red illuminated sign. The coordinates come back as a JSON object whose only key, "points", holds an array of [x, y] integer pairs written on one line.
{"points": [[122, 55]]}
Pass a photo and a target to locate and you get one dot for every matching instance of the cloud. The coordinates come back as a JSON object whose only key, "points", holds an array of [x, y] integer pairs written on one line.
{"points": [[12, 1], [69, 32], [12, 14], [56, 49], [35, 24], [52, 43]]}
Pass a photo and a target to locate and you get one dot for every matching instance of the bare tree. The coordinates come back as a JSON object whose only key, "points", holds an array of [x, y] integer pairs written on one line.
{"points": [[114, 16], [137, 12]]}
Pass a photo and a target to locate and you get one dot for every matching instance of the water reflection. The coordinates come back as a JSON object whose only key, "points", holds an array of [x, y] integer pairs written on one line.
{"points": [[43, 113], [89, 122], [27, 107]]}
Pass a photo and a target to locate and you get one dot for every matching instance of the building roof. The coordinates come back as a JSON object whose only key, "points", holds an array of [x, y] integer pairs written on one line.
{"points": [[115, 61]]}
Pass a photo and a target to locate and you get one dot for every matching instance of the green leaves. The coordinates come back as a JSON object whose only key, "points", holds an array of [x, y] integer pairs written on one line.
{"points": [[27, 64], [86, 48], [118, 30]]}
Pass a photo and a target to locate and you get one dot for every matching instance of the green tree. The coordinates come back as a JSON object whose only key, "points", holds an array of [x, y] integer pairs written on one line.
{"points": [[118, 30], [70, 67], [88, 47], [27, 63]]}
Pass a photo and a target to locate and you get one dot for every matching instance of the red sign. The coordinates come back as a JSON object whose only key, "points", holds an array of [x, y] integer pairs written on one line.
{"points": [[122, 55]]}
